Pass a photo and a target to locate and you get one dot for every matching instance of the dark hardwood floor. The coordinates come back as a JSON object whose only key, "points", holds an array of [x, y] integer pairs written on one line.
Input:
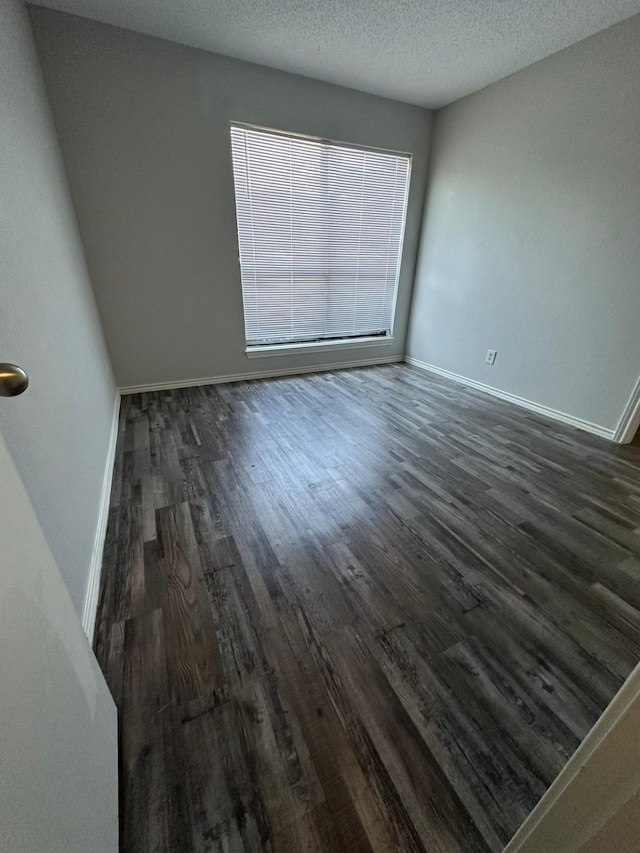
{"points": [[358, 611]]}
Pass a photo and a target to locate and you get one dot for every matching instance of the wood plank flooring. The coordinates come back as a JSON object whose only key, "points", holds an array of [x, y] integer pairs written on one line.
{"points": [[367, 610]]}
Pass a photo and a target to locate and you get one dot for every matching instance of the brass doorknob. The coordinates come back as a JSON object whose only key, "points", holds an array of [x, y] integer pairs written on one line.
{"points": [[13, 380]]}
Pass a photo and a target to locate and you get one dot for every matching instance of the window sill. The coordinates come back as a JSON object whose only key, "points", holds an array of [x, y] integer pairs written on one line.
{"points": [[316, 346]]}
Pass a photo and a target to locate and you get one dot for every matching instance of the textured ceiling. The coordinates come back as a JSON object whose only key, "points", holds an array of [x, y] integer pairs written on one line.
{"points": [[426, 52]]}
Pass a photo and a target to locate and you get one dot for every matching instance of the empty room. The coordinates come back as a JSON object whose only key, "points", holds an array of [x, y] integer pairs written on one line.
{"points": [[319, 426]]}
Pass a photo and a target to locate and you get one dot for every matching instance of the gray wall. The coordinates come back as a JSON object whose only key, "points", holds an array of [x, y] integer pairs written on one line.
{"points": [[58, 431], [144, 130], [592, 805], [531, 237]]}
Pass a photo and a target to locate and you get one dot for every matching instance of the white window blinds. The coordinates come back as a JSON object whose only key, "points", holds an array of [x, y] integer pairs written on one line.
{"points": [[320, 229]]}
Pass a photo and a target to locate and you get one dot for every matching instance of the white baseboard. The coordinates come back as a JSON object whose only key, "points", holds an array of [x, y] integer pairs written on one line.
{"points": [[259, 374], [539, 409], [93, 587], [630, 417]]}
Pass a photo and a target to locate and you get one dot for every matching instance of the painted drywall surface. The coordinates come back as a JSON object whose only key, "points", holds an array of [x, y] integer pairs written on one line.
{"points": [[592, 806], [58, 431], [58, 726], [531, 234], [144, 130]]}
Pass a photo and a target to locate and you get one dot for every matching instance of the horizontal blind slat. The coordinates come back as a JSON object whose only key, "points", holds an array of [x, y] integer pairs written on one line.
{"points": [[320, 231]]}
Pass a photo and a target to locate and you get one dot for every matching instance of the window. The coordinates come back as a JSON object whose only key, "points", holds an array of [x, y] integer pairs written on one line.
{"points": [[320, 228]]}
